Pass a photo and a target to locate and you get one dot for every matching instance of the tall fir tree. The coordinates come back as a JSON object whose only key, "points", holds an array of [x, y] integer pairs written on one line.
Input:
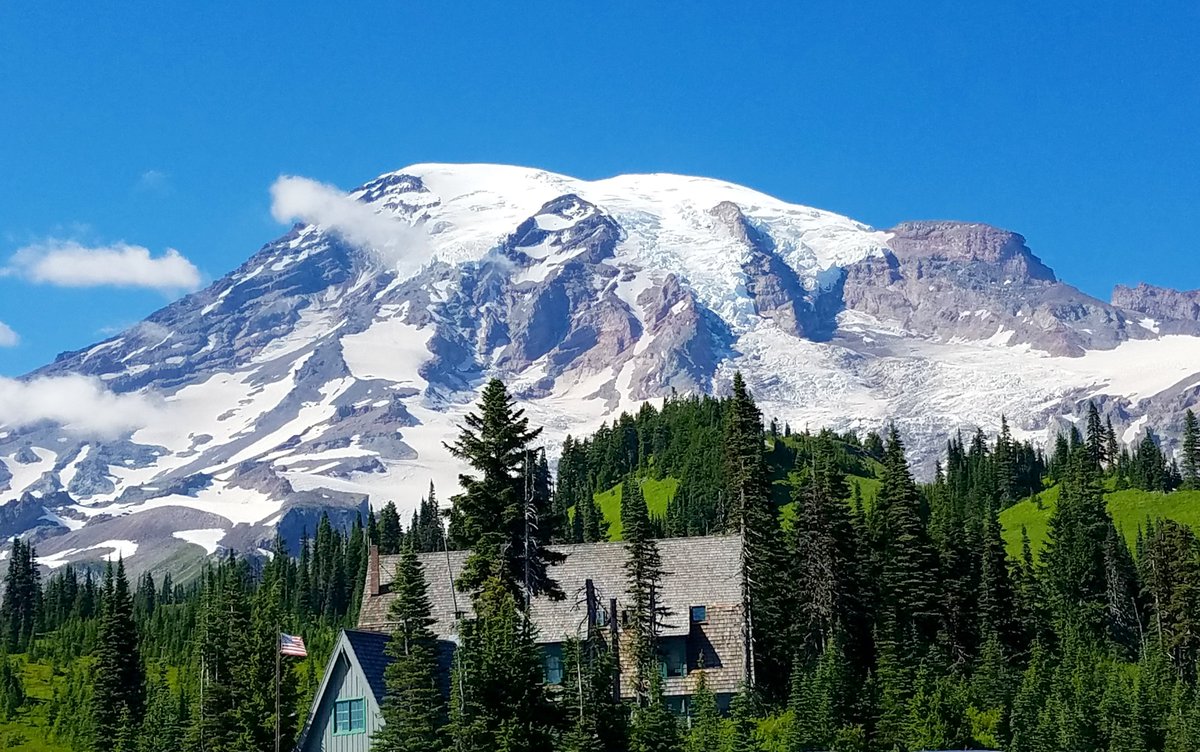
{"points": [[414, 712], [118, 678], [905, 559], [500, 703], [391, 530], [498, 515], [1190, 464], [643, 576], [753, 514]]}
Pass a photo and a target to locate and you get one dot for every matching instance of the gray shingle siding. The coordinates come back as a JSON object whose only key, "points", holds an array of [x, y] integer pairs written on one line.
{"points": [[701, 571]]}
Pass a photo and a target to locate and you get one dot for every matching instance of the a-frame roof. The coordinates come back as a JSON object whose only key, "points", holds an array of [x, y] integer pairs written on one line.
{"points": [[364, 652]]}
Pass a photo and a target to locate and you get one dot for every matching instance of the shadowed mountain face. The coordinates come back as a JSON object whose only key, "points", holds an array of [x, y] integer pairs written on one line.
{"points": [[325, 374]]}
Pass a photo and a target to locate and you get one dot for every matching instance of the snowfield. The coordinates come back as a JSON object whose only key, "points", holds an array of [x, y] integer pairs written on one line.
{"points": [[332, 368]]}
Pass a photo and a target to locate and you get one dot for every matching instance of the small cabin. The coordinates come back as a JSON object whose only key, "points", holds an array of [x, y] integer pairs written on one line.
{"points": [[345, 713]]}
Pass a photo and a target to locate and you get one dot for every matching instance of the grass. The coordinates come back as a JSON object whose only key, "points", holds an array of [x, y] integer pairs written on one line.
{"points": [[868, 486], [657, 493], [30, 729], [1130, 509]]}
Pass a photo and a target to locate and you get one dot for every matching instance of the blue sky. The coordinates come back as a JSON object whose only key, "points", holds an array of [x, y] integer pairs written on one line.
{"points": [[149, 125]]}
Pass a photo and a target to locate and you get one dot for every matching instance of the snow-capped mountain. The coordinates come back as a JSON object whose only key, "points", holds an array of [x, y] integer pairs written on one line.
{"points": [[328, 370]]}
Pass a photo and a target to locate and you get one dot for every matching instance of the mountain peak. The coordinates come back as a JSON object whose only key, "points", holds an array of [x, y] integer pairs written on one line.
{"points": [[328, 370], [968, 241]]}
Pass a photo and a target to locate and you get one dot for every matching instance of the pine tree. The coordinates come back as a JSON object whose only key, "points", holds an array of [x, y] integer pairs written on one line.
{"points": [[653, 727], [937, 716], [643, 576], [752, 513], [705, 733], [20, 611], [390, 529], [118, 679], [497, 516], [500, 703], [12, 689], [1095, 436], [825, 552], [1076, 575], [162, 728], [1190, 466], [414, 714], [596, 718], [742, 717], [905, 558]]}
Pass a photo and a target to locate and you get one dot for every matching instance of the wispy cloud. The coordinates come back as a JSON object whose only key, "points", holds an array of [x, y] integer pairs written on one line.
{"points": [[8, 338], [153, 181], [395, 242], [70, 264], [80, 404]]}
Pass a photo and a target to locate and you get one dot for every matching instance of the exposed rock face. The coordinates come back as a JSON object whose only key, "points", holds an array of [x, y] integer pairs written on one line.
{"points": [[321, 376], [1161, 303], [967, 282]]}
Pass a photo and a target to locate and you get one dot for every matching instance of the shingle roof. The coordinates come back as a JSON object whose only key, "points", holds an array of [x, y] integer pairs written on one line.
{"points": [[699, 571], [369, 648]]}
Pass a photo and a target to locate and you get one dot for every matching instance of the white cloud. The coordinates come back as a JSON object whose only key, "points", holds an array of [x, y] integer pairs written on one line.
{"points": [[394, 241], [69, 264], [81, 404], [8, 338], [153, 181]]}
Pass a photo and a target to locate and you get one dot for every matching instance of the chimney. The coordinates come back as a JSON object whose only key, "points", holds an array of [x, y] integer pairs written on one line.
{"points": [[373, 571]]}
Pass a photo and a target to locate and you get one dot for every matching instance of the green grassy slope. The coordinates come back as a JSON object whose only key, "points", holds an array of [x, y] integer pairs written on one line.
{"points": [[657, 493], [30, 729], [1130, 509]]}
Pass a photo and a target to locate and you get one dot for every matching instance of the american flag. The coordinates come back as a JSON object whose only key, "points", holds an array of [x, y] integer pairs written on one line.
{"points": [[292, 645]]}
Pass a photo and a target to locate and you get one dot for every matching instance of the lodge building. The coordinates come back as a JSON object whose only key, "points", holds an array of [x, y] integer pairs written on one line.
{"points": [[703, 628]]}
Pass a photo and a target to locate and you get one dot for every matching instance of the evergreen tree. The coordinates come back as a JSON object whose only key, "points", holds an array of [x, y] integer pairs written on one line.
{"points": [[1076, 573], [753, 514], [705, 733], [162, 729], [1190, 466], [12, 689], [500, 702], [390, 529], [413, 710], [653, 727], [596, 718], [904, 558], [497, 516], [742, 715], [118, 679], [826, 556], [937, 716], [643, 575], [1095, 436], [20, 611]]}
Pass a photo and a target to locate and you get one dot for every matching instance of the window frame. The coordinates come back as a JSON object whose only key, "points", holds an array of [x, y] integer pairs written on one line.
{"points": [[552, 662], [349, 703]]}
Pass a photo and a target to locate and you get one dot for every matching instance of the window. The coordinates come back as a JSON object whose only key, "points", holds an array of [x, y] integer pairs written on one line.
{"points": [[350, 716], [672, 657], [552, 664], [699, 614]]}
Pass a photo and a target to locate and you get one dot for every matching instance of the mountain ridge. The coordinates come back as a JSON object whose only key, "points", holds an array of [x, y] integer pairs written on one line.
{"points": [[328, 369]]}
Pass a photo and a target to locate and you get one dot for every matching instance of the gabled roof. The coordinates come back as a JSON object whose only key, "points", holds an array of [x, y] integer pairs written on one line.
{"points": [[364, 651], [369, 649], [699, 571]]}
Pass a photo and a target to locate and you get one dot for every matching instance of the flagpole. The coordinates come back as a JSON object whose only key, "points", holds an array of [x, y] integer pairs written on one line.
{"points": [[278, 662]]}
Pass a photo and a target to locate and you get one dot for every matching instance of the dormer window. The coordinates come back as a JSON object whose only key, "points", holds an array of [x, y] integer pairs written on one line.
{"points": [[699, 614]]}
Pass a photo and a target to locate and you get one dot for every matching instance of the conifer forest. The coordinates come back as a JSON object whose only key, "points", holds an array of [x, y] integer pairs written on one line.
{"points": [[1015, 598]]}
